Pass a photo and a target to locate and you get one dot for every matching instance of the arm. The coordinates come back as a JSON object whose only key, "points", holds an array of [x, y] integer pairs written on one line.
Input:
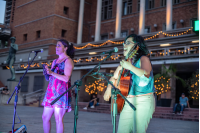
{"points": [[45, 70], [15, 46], [69, 66], [107, 93], [93, 99], [144, 70]]}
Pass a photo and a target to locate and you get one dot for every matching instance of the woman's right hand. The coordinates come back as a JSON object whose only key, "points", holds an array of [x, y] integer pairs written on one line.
{"points": [[107, 94]]}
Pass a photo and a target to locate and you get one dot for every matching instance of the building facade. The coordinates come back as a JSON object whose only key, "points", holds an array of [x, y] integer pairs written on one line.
{"points": [[95, 26]]}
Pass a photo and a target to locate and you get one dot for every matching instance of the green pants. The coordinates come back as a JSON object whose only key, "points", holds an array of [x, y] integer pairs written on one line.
{"points": [[131, 121]]}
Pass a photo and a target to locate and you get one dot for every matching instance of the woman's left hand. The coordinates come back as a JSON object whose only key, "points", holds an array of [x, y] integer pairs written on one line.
{"points": [[48, 70], [125, 64]]}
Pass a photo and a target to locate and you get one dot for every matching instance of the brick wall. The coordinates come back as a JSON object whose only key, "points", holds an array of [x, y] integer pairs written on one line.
{"points": [[27, 20]]}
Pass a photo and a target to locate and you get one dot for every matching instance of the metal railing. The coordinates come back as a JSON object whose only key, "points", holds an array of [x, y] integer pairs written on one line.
{"points": [[35, 95]]}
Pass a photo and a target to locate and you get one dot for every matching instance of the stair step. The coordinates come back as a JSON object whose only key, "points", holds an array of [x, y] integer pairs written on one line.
{"points": [[176, 118]]}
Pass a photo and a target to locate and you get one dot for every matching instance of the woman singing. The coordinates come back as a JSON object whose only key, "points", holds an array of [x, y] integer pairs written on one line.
{"points": [[59, 82], [141, 87]]}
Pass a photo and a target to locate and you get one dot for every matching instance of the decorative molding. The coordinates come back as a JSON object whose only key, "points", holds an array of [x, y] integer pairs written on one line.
{"points": [[45, 18], [38, 41], [26, 3]]}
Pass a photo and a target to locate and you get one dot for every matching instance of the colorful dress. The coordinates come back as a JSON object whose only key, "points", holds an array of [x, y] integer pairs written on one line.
{"points": [[56, 87]]}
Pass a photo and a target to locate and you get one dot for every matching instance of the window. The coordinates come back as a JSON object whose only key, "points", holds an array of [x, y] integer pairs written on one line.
{"points": [[63, 33], [127, 7], [38, 34], [138, 5], [124, 33], [104, 37], [147, 29], [149, 4], [24, 84], [65, 11], [106, 12], [191, 21], [173, 26], [25, 37], [38, 83], [176, 1], [163, 2]]}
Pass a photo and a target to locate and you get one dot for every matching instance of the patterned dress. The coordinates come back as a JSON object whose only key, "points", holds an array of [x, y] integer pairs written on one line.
{"points": [[56, 87]]}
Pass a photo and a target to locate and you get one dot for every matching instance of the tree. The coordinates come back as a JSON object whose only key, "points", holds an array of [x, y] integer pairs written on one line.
{"points": [[193, 86], [162, 80]]}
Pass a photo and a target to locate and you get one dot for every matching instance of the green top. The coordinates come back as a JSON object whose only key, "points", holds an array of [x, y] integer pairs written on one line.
{"points": [[141, 85]]}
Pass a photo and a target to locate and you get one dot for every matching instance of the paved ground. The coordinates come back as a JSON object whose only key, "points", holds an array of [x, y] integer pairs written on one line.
{"points": [[87, 122]]}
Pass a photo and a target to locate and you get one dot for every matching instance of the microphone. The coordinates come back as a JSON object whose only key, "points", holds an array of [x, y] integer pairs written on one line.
{"points": [[36, 51], [110, 51]]}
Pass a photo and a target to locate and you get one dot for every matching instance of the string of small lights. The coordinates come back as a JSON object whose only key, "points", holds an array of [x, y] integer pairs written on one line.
{"points": [[152, 37], [161, 86], [164, 33], [92, 88], [98, 45], [193, 86]]}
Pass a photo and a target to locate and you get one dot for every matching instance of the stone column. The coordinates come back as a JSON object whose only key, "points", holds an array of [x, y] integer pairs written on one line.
{"points": [[118, 19], [98, 21], [142, 17], [80, 22], [169, 8]]}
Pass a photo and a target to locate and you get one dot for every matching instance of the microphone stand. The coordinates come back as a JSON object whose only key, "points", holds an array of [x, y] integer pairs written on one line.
{"points": [[17, 88], [114, 92], [78, 83]]}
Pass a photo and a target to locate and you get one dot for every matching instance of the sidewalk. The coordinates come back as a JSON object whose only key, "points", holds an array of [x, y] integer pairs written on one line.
{"points": [[87, 123]]}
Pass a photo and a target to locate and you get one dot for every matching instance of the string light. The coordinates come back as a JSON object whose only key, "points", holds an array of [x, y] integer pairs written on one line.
{"points": [[94, 87], [166, 34], [193, 86], [160, 86], [98, 45]]}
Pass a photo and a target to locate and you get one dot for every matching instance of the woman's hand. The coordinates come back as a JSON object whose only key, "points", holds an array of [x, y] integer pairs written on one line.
{"points": [[48, 70], [107, 95], [126, 64]]}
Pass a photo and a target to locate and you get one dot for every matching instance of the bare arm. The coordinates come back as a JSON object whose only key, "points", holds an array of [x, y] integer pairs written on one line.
{"points": [[107, 93], [145, 67], [69, 66]]}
